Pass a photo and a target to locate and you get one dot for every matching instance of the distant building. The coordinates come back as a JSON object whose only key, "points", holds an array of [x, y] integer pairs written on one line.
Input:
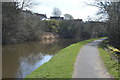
{"points": [[77, 19], [58, 18], [26, 13], [41, 16]]}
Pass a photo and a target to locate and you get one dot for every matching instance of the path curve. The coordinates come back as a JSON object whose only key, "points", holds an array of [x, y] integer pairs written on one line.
{"points": [[89, 64]]}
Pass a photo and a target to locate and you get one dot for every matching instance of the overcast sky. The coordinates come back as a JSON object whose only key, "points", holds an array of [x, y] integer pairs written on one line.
{"points": [[77, 8]]}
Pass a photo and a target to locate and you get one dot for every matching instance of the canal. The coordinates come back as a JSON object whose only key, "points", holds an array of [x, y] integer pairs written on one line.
{"points": [[19, 60]]}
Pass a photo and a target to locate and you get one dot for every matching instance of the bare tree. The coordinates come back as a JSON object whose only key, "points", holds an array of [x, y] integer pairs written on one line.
{"points": [[25, 4], [68, 16], [56, 12], [112, 9]]}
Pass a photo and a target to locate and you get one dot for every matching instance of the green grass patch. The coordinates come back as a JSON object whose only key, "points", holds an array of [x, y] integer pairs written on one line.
{"points": [[61, 65], [111, 65]]}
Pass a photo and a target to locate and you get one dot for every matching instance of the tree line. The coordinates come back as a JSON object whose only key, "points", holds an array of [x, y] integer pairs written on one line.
{"points": [[111, 8], [17, 27]]}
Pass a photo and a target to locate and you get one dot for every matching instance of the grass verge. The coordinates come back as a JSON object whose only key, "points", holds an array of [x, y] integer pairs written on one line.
{"points": [[62, 64], [111, 65]]}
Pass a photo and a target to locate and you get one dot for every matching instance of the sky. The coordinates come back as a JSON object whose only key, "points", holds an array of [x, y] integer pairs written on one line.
{"points": [[77, 8]]}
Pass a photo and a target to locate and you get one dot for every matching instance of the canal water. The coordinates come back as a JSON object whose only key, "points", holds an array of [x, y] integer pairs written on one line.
{"points": [[19, 60]]}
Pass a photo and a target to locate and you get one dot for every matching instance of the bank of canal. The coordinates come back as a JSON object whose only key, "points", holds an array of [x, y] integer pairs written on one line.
{"points": [[62, 64]]}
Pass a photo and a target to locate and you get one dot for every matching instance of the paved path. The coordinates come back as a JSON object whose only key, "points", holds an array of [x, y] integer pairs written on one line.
{"points": [[88, 63]]}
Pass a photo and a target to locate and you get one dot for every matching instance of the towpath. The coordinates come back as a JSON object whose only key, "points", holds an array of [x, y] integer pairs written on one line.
{"points": [[89, 64]]}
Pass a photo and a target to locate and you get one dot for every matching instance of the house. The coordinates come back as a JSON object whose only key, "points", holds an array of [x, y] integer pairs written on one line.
{"points": [[41, 16], [55, 17], [78, 20], [26, 13]]}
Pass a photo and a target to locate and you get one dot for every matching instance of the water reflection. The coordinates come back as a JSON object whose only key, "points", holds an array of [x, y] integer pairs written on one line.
{"points": [[20, 60], [30, 64]]}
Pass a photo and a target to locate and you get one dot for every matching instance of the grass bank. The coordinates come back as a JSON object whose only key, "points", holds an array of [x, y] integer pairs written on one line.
{"points": [[111, 65], [62, 64]]}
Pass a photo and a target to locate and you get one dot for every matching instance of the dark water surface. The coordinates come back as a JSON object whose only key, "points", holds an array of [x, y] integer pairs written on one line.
{"points": [[21, 59]]}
